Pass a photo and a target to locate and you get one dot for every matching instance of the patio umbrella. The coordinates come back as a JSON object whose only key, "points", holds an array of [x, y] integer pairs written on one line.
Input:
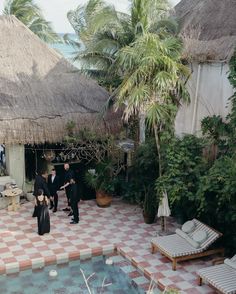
{"points": [[163, 210]]}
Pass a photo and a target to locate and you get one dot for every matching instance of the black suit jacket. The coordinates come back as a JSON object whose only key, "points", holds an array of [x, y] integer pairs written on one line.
{"points": [[53, 186], [74, 193], [40, 183]]}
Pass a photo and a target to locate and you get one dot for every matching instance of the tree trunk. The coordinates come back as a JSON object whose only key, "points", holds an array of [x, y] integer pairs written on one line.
{"points": [[158, 144], [142, 128]]}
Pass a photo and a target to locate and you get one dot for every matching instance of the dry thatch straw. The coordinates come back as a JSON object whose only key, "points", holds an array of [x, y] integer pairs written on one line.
{"points": [[208, 28], [40, 92]]}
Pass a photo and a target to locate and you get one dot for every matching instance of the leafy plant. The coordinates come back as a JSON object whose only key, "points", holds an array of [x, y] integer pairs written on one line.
{"points": [[213, 127], [102, 178], [150, 202], [184, 164], [142, 174], [217, 199]]}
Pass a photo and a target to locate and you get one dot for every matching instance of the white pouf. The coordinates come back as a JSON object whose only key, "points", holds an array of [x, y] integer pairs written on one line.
{"points": [[53, 273], [188, 227], [200, 236], [109, 261]]}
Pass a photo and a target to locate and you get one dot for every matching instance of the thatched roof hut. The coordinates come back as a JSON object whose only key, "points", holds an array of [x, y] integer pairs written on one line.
{"points": [[208, 28], [40, 92]]}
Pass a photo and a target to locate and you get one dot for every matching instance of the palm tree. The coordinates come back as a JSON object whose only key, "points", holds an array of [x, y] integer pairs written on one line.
{"points": [[153, 81], [103, 32], [28, 12]]}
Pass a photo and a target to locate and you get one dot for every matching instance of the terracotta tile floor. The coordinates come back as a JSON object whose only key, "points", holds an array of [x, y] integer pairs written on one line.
{"points": [[100, 230]]}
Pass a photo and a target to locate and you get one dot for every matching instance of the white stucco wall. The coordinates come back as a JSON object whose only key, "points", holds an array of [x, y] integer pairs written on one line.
{"points": [[213, 93], [15, 163]]}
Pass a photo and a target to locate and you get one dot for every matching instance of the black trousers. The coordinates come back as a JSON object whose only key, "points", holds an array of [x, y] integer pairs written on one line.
{"points": [[68, 191], [75, 209], [54, 203]]}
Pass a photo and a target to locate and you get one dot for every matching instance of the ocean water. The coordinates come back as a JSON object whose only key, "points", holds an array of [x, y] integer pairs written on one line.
{"points": [[67, 50]]}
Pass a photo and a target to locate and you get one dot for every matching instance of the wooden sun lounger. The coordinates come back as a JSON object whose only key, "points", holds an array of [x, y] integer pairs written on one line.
{"points": [[221, 277], [178, 249]]}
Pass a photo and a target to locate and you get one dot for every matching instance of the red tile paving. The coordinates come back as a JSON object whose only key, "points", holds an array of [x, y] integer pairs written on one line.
{"points": [[100, 230]]}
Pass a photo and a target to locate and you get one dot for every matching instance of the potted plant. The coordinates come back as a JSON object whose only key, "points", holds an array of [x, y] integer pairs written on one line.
{"points": [[149, 205], [102, 179]]}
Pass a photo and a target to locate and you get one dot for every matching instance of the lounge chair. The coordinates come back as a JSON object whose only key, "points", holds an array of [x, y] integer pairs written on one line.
{"points": [[221, 277], [181, 246]]}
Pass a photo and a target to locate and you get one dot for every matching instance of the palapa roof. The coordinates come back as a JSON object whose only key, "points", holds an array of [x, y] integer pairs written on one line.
{"points": [[40, 92], [208, 28]]}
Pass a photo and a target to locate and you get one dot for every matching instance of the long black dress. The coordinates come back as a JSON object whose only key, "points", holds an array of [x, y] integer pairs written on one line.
{"points": [[43, 216]]}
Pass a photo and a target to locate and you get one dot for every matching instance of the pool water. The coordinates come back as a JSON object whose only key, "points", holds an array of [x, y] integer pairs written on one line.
{"points": [[70, 279]]}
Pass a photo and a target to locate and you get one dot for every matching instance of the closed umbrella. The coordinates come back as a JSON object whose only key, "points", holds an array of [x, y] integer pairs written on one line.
{"points": [[164, 210]]}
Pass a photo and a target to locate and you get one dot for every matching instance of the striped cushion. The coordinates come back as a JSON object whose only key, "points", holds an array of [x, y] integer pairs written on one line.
{"points": [[174, 245], [231, 263], [187, 238], [221, 276]]}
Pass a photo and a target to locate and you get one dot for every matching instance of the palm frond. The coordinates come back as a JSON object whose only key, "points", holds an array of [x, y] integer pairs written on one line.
{"points": [[28, 12]]}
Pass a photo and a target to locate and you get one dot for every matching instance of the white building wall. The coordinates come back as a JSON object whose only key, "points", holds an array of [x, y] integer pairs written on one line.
{"points": [[15, 163], [212, 97]]}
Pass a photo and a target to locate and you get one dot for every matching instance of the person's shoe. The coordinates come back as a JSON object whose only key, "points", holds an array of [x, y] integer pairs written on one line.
{"points": [[54, 210], [66, 209], [51, 207], [70, 214], [73, 222]]}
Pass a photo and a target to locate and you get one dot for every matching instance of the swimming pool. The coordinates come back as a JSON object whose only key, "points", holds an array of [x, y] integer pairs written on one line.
{"points": [[103, 278]]}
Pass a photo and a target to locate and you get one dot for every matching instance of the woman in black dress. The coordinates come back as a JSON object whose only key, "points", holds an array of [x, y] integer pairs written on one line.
{"points": [[41, 202]]}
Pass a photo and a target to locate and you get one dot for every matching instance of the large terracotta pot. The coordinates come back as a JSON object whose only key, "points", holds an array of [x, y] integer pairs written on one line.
{"points": [[149, 219], [103, 199]]}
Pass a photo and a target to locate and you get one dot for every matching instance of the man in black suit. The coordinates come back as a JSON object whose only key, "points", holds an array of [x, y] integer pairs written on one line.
{"points": [[74, 199], [69, 174], [53, 185], [41, 183]]}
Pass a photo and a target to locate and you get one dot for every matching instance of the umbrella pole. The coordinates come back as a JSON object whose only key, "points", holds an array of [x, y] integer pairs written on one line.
{"points": [[162, 223]]}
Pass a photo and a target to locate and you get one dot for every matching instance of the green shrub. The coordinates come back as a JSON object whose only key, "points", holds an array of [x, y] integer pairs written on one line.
{"points": [[217, 198], [184, 164], [142, 174]]}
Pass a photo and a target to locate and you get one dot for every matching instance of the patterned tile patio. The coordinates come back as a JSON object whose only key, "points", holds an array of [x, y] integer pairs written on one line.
{"points": [[99, 231]]}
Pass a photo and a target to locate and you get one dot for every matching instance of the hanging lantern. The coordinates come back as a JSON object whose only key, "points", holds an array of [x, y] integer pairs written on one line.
{"points": [[49, 155]]}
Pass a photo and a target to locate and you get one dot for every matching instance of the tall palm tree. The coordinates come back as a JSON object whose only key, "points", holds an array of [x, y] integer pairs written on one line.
{"points": [[153, 81], [103, 32], [28, 12]]}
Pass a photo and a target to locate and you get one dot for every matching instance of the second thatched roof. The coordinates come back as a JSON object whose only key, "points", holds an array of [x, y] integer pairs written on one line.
{"points": [[40, 92], [208, 28]]}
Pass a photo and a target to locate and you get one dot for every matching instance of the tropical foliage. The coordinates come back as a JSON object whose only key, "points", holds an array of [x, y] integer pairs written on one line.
{"points": [[200, 173], [139, 56], [153, 83], [184, 164], [103, 31], [102, 178], [142, 174], [28, 12]]}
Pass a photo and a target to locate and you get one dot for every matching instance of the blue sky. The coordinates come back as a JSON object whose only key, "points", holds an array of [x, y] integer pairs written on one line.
{"points": [[56, 10]]}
